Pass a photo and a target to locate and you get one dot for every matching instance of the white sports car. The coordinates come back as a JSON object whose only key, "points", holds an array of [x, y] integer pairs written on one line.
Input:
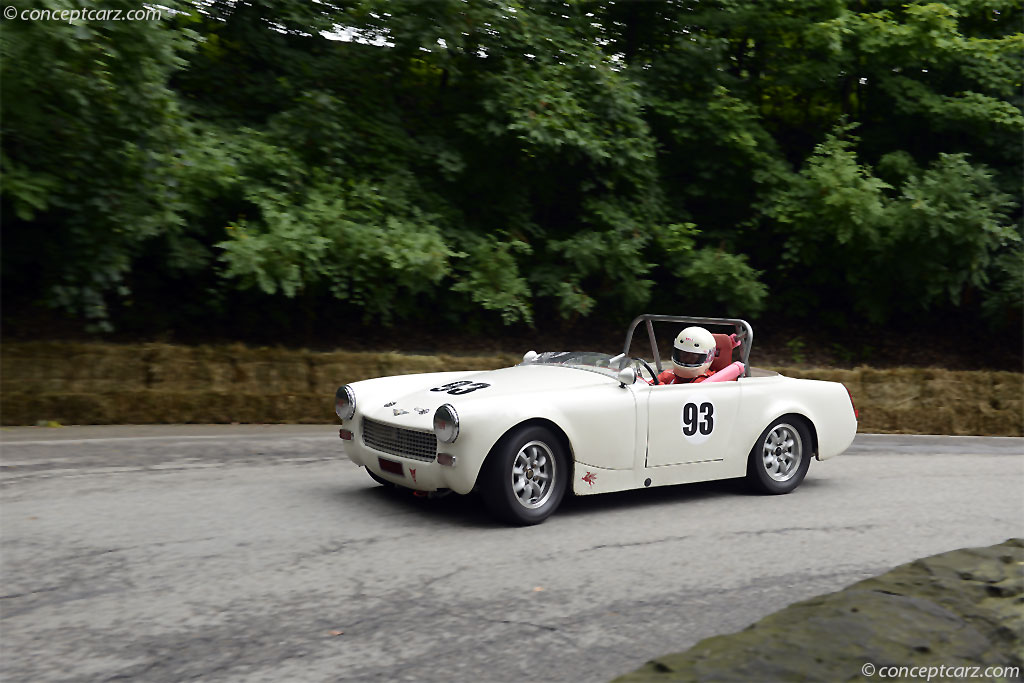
{"points": [[593, 423]]}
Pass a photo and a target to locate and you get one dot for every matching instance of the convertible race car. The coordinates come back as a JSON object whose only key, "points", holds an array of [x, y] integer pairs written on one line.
{"points": [[593, 423]]}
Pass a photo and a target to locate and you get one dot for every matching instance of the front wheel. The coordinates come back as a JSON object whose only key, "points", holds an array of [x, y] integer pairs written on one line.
{"points": [[525, 477], [780, 458]]}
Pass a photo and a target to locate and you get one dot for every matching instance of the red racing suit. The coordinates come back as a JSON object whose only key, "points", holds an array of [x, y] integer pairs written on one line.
{"points": [[670, 377]]}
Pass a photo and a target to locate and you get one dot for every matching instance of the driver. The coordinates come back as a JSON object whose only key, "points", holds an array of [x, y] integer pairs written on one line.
{"points": [[692, 354]]}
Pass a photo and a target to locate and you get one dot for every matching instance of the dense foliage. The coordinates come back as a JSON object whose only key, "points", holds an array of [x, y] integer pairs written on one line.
{"points": [[828, 159]]}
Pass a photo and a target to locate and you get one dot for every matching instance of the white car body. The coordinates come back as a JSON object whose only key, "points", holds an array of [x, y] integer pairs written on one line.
{"points": [[619, 435]]}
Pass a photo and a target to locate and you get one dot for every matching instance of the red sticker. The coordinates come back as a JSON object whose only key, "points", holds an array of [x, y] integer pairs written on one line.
{"points": [[413, 473], [590, 478]]}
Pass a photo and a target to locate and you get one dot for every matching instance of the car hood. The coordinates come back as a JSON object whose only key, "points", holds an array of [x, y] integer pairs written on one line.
{"points": [[415, 409]]}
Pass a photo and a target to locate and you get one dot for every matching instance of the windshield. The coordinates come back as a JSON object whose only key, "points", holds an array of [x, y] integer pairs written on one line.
{"points": [[581, 360]]}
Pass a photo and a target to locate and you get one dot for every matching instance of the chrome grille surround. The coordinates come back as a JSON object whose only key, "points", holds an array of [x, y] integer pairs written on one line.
{"points": [[406, 443]]}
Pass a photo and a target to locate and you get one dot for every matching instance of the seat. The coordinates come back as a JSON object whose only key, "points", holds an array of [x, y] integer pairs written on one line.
{"points": [[723, 352], [723, 369]]}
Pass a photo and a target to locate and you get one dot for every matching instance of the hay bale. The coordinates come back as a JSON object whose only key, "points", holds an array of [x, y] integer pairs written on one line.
{"points": [[328, 371], [331, 370], [896, 388], [161, 383], [1006, 391], [62, 408], [876, 418], [272, 376], [59, 367], [227, 368], [180, 368], [930, 400]]}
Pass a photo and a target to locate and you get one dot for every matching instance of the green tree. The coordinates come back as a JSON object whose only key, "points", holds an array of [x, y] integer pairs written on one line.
{"points": [[515, 161], [896, 250]]}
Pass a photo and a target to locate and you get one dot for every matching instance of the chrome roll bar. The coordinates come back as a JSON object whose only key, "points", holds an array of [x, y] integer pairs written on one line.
{"points": [[744, 333]]}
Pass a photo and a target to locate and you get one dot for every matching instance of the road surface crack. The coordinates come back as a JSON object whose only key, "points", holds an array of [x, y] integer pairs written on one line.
{"points": [[656, 541]]}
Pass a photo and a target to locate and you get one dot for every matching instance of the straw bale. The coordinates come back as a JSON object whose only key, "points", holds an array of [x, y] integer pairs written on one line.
{"points": [[64, 408], [1007, 387], [328, 371], [52, 366], [326, 377], [275, 377], [984, 420], [227, 368], [900, 387], [331, 370], [182, 368], [875, 417], [159, 383], [931, 420]]}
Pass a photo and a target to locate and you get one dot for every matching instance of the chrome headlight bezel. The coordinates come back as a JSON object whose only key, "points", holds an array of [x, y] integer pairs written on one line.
{"points": [[345, 402], [446, 423]]}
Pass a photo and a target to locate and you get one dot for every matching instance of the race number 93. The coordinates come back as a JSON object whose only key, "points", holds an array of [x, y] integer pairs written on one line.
{"points": [[697, 420], [461, 387]]}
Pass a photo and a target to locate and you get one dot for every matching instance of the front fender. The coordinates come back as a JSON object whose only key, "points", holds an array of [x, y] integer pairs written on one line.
{"points": [[598, 422]]}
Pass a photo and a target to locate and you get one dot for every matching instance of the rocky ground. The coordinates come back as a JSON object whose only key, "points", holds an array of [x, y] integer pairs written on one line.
{"points": [[961, 609]]}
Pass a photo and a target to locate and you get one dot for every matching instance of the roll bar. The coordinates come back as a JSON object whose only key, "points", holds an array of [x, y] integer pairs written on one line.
{"points": [[744, 334]]}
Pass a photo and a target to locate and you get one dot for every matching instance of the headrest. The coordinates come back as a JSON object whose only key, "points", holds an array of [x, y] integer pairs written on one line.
{"points": [[723, 353]]}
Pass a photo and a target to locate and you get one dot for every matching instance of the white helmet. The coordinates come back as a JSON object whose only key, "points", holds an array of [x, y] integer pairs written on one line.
{"points": [[693, 352]]}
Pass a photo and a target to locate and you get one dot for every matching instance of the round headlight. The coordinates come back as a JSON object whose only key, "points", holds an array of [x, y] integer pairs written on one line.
{"points": [[446, 423], [345, 402]]}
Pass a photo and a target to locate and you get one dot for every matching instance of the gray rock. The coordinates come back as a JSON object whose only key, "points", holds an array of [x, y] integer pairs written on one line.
{"points": [[957, 609]]}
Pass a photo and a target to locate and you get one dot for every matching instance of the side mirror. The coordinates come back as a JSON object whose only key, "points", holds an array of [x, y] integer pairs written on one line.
{"points": [[529, 356], [626, 376]]}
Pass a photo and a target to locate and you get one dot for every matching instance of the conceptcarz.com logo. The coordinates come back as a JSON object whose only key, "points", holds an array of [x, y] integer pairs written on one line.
{"points": [[72, 16]]}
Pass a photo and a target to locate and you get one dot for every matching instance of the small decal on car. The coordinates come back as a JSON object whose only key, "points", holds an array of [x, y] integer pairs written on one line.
{"points": [[590, 478], [422, 411], [413, 473], [399, 411], [388, 405]]}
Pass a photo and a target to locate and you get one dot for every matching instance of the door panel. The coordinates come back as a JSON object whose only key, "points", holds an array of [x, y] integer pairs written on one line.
{"points": [[691, 423]]}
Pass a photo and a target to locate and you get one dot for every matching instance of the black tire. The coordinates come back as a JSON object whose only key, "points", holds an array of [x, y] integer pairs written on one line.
{"points": [[520, 461], [779, 460]]}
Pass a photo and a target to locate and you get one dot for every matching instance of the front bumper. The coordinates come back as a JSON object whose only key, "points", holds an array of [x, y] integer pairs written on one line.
{"points": [[389, 462]]}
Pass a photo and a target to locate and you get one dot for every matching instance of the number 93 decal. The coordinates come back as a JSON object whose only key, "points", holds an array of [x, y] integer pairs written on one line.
{"points": [[697, 419], [461, 387]]}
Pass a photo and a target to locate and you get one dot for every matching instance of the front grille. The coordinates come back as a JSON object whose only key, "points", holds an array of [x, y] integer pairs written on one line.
{"points": [[397, 441]]}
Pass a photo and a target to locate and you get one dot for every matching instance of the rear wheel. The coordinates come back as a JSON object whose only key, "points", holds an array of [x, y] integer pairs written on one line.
{"points": [[525, 477], [781, 456]]}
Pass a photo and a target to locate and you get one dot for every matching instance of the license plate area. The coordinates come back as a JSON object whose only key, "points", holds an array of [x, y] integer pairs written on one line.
{"points": [[391, 466]]}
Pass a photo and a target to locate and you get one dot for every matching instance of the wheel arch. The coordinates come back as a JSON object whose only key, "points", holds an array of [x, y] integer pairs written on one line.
{"points": [[808, 423], [499, 489], [539, 422], [792, 415]]}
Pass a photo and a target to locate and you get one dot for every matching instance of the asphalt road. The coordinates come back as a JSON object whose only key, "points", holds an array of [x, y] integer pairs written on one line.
{"points": [[259, 554]]}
